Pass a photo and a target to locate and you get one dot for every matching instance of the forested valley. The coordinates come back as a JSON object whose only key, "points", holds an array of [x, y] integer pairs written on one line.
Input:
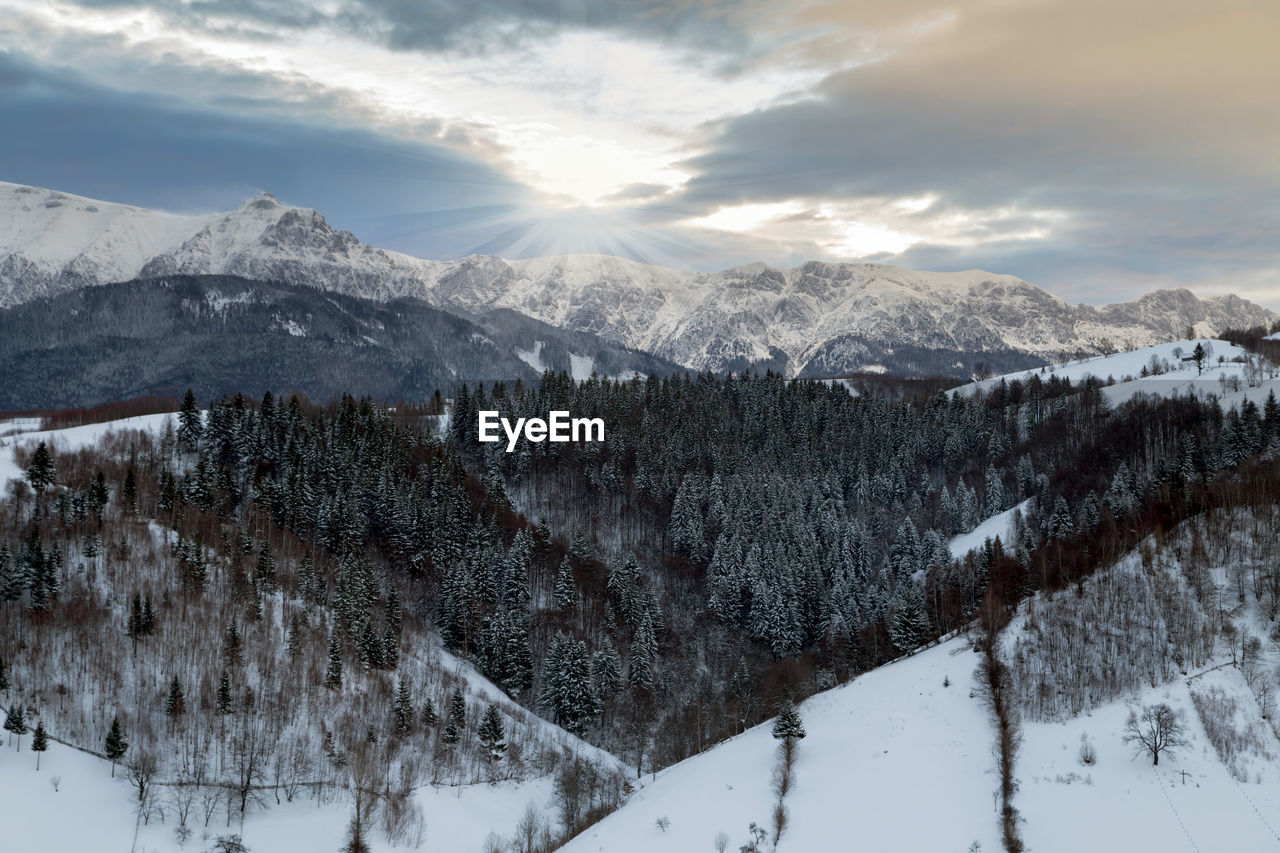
{"points": [[272, 599]]}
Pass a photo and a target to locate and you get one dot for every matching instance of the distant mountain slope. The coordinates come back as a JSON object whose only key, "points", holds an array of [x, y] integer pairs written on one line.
{"points": [[221, 334], [815, 319]]}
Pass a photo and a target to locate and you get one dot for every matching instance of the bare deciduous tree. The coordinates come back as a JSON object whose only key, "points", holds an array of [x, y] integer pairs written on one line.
{"points": [[1157, 729]]}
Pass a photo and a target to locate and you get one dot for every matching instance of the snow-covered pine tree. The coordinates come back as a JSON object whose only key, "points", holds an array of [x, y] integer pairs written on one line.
{"points": [[223, 705], [788, 725], [333, 673], [993, 486], [402, 709], [491, 733], [190, 425], [910, 624], [566, 591], [458, 707]]}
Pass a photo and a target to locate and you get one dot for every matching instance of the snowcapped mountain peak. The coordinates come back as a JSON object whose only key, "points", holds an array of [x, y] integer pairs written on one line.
{"points": [[52, 241], [817, 318]]}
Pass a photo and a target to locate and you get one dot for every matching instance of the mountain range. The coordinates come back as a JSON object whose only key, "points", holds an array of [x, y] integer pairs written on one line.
{"points": [[816, 319]]}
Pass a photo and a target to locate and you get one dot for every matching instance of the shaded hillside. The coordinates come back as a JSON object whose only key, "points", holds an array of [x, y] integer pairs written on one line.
{"points": [[223, 334]]}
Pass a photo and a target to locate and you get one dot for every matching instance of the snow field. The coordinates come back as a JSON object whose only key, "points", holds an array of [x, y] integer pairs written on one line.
{"points": [[70, 438], [1000, 525], [879, 751], [93, 812]]}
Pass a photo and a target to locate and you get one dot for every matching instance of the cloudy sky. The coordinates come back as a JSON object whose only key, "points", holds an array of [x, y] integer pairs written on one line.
{"points": [[1098, 148]]}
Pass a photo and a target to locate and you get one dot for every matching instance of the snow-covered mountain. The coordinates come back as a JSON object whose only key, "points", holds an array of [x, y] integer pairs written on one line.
{"points": [[815, 319]]}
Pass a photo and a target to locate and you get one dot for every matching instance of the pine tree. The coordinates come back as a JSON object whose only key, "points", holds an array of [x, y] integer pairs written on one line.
{"points": [[129, 491], [452, 733], [231, 651], [224, 707], [190, 424], [640, 661], [1199, 354], [41, 473], [333, 675], [402, 710], [175, 704], [994, 489], [429, 715], [15, 722], [606, 671], [458, 707], [4, 676], [491, 733], [293, 639], [788, 724], [566, 592], [1059, 525], [567, 691], [39, 742], [115, 745], [910, 625]]}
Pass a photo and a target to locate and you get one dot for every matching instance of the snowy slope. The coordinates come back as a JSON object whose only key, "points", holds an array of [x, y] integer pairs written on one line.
{"points": [[1000, 525], [27, 433], [51, 241], [1129, 365], [456, 818], [1230, 373], [816, 319], [896, 761], [881, 751]]}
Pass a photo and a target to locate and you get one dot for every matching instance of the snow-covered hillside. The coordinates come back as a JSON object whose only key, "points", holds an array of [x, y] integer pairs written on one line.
{"points": [[880, 752], [52, 241], [455, 817], [815, 319], [449, 805], [1228, 371], [999, 525], [1173, 359], [901, 759]]}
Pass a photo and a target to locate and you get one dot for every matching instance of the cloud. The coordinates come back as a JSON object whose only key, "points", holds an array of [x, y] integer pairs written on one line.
{"points": [[1092, 147], [163, 153], [471, 26], [1147, 138]]}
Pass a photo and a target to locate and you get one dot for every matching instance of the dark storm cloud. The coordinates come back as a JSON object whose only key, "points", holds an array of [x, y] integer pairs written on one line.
{"points": [[76, 137]]}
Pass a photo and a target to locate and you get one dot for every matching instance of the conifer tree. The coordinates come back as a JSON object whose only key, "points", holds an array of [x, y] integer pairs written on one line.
{"points": [[566, 592], [190, 424], [115, 745], [458, 707], [909, 627], [452, 733], [333, 674], [39, 742], [15, 722], [223, 706], [175, 704], [491, 733], [429, 714], [788, 724], [402, 710], [41, 473]]}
